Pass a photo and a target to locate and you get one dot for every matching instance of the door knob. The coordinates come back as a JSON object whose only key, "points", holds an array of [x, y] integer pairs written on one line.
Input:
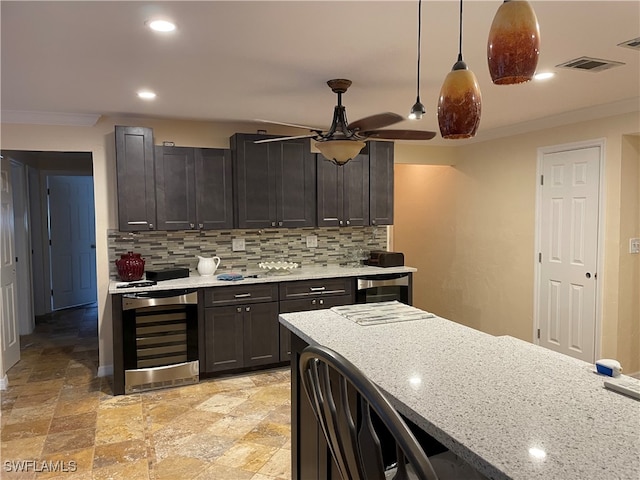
{"points": [[588, 275], [93, 245]]}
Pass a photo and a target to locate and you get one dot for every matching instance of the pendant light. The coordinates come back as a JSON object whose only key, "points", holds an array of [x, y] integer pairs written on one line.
{"points": [[460, 102], [418, 110], [514, 43]]}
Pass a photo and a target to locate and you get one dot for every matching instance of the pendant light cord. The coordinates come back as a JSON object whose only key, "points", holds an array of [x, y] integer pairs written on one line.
{"points": [[460, 43], [419, 30]]}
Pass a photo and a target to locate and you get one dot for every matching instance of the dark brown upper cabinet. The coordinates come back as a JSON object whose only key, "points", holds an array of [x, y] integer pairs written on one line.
{"points": [[136, 178], [274, 183], [214, 188], [193, 188], [343, 192], [381, 183]]}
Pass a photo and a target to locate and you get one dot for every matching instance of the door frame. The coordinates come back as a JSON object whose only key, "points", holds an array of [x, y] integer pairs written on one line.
{"points": [[541, 152]]}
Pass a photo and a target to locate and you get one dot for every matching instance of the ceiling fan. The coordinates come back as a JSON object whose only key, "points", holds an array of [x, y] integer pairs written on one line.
{"points": [[344, 140]]}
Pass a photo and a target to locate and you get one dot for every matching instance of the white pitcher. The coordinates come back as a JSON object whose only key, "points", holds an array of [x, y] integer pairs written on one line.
{"points": [[207, 266]]}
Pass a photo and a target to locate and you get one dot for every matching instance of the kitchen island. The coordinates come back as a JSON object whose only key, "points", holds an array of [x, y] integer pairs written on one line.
{"points": [[511, 409]]}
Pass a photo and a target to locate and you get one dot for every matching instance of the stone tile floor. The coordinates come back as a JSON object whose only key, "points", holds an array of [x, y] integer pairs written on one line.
{"points": [[62, 422]]}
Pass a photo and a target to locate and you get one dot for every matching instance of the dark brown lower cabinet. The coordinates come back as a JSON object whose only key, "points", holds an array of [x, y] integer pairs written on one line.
{"points": [[300, 305], [261, 334], [223, 338], [241, 336]]}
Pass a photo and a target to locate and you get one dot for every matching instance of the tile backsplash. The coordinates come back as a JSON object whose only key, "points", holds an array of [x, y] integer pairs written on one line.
{"points": [[162, 250]]}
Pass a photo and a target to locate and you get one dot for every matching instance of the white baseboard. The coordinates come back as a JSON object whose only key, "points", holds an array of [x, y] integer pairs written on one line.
{"points": [[105, 370], [4, 383]]}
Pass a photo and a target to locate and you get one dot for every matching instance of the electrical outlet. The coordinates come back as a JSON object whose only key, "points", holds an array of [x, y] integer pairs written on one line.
{"points": [[312, 241], [634, 245], [237, 244]]}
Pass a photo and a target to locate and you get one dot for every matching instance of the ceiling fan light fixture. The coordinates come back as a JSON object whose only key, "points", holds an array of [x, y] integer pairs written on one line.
{"points": [[513, 46], [340, 151]]}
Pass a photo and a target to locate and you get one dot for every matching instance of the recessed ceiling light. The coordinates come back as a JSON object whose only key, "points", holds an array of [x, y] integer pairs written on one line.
{"points": [[544, 75], [161, 26], [146, 95]]}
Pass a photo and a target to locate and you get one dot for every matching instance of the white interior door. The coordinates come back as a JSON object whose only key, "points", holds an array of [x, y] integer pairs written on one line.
{"points": [[22, 242], [569, 251], [9, 321], [73, 239]]}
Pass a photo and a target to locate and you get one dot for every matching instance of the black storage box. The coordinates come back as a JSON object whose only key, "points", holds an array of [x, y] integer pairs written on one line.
{"points": [[380, 258], [168, 274]]}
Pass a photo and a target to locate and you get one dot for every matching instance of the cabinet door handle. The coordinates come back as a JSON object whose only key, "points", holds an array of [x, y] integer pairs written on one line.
{"points": [[279, 224], [273, 224], [341, 222], [321, 302], [373, 222], [317, 289], [192, 225], [348, 222], [151, 226], [242, 295], [201, 225], [313, 302], [239, 309], [248, 309]]}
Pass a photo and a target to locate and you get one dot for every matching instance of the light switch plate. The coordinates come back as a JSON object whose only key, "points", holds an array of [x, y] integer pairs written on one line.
{"points": [[634, 245], [237, 244], [312, 241]]}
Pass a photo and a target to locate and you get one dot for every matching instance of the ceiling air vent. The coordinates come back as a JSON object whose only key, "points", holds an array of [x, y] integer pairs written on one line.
{"points": [[633, 43], [590, 64]]}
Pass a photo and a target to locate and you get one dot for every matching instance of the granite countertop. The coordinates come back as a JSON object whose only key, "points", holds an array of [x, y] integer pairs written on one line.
{"points": [[510, 408], [304, 273]]}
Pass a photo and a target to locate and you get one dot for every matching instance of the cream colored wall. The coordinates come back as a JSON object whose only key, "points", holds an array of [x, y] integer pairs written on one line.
{"points": [[99, 140], [418, 154], [473, 242], [629, 277]]}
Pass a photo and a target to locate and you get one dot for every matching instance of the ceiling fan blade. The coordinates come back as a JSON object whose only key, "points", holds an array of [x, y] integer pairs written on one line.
{"points": [[375, 122], [281, 139], [399, 134], [289, 125]]}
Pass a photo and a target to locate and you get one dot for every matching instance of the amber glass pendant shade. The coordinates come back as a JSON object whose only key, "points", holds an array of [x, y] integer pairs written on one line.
{"points": [[460, 103], [514, 43]]}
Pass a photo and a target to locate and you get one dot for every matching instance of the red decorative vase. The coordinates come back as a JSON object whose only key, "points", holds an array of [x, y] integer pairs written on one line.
{"points": [[130, 266]]}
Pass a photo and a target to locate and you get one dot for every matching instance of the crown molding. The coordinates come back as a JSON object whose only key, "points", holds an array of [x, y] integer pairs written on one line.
{"points": [[49, 118]]}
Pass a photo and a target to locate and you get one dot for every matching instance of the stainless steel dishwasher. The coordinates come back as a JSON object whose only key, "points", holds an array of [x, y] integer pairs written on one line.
{"points": [[160, 339]]}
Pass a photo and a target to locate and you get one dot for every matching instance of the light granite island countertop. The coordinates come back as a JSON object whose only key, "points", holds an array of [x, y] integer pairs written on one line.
{"points": [[511, 409], [303, 273]]}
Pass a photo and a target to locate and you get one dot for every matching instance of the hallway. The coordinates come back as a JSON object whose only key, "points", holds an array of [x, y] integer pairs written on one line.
{"points": [[60, 421]]}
